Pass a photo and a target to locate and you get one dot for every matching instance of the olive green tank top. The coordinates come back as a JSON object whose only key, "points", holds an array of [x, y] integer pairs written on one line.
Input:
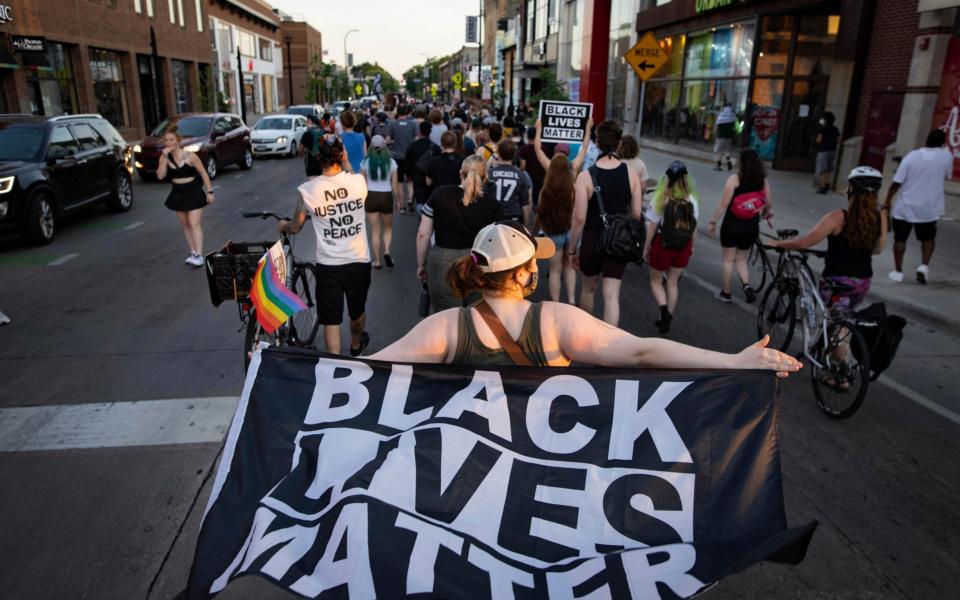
{"points": [[472, 351]]}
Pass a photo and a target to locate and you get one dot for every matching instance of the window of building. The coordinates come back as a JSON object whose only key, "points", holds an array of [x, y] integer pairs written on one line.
{"points": [[149, 4], [541, 21], [776, 36], [622, 21], [198, 5], [183, 20], [106, 71], [181, 86], [268, 103], [531, 21], [248, 43], [173, 12], [816, 38], [576, 38], [266, 48], [137, 6], [721, 52], [53, 91], [87, 137]]}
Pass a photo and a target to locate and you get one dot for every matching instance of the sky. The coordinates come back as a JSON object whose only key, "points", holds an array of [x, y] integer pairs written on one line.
{"points": [[395, 33]]}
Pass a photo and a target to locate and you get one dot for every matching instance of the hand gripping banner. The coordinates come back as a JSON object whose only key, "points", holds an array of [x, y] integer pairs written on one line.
{"points": [[357, 479]]}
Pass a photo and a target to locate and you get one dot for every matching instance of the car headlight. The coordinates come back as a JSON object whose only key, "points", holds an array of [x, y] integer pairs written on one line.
{"points": [[282, 139], [6, 184], [193, 147], [137, 148]]}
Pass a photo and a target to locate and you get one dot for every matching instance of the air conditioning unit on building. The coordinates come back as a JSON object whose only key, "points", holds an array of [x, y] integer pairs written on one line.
{"points": [[540, 48]]}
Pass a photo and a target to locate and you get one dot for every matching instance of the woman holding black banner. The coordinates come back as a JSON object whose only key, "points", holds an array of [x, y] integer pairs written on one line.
{"points": [[506, 329]]}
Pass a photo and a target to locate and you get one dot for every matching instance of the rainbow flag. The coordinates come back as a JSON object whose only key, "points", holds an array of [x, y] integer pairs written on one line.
{"points": [[274, 302]]}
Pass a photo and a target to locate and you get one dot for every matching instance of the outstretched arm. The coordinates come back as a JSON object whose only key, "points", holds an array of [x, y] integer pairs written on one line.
{"points": [[538, 148], [584, 146], [830, 222], [428, 342]]}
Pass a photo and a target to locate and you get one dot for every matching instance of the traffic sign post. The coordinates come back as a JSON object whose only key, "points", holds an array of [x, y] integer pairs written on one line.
{"points": [[358, 89], [457, 79], [646, 57]]}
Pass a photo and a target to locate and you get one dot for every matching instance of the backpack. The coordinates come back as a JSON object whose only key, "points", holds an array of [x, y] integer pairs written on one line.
{"points": [[883, 334], [678, 224], [748, 205]]}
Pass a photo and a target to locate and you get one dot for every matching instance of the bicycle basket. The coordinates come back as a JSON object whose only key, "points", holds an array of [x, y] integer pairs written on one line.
{"points": [[230, 270]]}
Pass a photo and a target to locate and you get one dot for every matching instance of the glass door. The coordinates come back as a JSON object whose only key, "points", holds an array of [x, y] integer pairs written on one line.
{"points": [[803, 106]]}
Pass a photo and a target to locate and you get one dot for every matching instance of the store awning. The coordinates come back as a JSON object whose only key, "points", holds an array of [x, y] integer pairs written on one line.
{"points": [[7, 61], [36, 61]]}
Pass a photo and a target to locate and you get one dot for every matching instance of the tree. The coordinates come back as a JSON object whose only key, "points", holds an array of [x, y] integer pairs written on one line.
{"points": [[550, 89], [367, 71], [416, 83]]}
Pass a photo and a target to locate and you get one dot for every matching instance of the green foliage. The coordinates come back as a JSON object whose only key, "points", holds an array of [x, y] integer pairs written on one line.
{"points": [[550, 89], [415, 73], [368, 71]]}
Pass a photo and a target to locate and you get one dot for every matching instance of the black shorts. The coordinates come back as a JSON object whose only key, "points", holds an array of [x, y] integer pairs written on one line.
{"points": [[593, 263], [925, 232], [334, 282], [737, 235]]}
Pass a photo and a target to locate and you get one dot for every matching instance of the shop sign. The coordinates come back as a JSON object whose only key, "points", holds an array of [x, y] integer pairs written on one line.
{"points": [[646, 57], [22, 43], [703, 6], [6, 13], [946, 114]]}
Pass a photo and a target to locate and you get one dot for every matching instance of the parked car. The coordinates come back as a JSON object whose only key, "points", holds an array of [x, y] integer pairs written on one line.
{"points": [[343, 105], [219, 139], [52, 166], [278, 134], [305, 110]]}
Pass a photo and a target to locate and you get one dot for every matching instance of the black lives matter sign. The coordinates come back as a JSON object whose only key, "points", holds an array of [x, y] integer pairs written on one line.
{"points": [[564, 121], [355, 479]]}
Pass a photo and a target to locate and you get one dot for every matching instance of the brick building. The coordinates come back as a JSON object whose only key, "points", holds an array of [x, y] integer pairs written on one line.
{"points": [[133, 61], [304, 48]]}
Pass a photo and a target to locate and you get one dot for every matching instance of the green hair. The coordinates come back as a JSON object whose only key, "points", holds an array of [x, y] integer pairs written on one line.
{"points": [[378, 163], [682, 189]]}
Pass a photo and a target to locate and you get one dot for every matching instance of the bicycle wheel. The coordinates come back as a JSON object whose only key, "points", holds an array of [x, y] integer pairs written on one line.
{"points": [[759, 265], [777, 314], [840, 385], [254, 335], [304, 324]]}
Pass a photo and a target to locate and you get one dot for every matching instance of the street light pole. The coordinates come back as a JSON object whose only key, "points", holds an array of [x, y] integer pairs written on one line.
{"points": [[346, 67], [288, 39]]}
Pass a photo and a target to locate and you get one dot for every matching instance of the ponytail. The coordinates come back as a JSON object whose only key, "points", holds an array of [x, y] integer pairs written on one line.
{"points": [[464, 277], [474, 172]]}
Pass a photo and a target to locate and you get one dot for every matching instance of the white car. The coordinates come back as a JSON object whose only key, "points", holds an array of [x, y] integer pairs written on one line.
{"points": [[277, 135]]}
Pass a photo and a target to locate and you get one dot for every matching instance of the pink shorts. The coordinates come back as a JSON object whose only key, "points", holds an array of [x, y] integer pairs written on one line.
{"points": [[663, 259]]}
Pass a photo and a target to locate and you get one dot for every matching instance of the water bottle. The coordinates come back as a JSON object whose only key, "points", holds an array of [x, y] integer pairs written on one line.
{"points": [[424, 310]]}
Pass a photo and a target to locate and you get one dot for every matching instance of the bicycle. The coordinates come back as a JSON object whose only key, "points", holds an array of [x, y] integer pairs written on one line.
{"points": [[230, 273], [759, 263], [832, 344]]}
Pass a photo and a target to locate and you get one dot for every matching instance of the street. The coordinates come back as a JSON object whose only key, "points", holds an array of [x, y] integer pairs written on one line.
{"points": [[120, 379]]}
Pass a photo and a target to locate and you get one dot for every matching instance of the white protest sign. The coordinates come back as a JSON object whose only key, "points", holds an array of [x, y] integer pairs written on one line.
{"points": [[564, 121]]}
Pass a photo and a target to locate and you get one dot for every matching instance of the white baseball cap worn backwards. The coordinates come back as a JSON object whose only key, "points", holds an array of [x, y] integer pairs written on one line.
{"points": [[505, 245]]}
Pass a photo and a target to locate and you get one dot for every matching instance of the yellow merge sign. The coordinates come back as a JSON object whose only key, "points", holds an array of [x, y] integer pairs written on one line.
{"points": [[646, 57]]}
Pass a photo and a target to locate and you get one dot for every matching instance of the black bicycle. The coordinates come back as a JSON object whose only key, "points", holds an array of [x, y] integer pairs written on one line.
{"points": [[759, 263], [832, 343], [230, 273]]}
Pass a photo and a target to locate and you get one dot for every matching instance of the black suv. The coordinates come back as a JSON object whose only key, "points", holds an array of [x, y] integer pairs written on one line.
{"points": [[51, 166]]}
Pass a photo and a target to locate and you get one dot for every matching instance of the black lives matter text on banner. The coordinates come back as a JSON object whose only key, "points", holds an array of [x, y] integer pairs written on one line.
{"points": [[564, 121], [348, 478]]}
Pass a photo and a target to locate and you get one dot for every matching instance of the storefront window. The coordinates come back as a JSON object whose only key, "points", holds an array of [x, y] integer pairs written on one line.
{"points": [[108, 85], [703, 101], [776, 35], [53, 91], [721, 52], [765, 116], [181, 86], [229, 92], [661, 109], [816, 38], [622, 17]]}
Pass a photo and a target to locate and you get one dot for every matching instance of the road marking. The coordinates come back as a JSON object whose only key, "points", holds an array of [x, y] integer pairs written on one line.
{"points": [[116, 424], [133, 225], [62, 259], [905, 391]]}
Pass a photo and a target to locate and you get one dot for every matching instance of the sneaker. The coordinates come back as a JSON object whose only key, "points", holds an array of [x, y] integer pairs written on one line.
{"points": [[723, 296], [896, 276], [403, 210], [388, 260], [749, 293], [196, 260], [663, 323], [189, 259], [4, 319], [364, 342], [922, 272]]}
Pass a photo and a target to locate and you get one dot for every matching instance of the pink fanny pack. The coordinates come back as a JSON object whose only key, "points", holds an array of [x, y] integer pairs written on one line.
{"points": [[748, 205]]}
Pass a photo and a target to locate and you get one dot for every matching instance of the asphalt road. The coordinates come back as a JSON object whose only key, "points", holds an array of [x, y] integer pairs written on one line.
{"points": [[119, 323]]}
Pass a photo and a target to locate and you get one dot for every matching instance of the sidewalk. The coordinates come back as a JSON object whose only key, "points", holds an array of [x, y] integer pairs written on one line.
{"points": [[795, 205]]}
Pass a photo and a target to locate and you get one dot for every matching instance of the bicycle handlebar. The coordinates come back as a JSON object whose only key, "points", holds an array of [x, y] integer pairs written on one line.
{"points": [[263, 215], [810, 251]]}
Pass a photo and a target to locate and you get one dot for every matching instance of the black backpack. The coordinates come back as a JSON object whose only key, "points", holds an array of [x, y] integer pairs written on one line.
{"points": [[678, 225], [882, 332]]}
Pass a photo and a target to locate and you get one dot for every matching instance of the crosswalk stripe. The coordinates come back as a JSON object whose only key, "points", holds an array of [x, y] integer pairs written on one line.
{"points": [[116, 424]]}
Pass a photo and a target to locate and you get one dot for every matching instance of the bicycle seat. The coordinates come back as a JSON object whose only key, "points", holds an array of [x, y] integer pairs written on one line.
{"points": [[786, 234], [837, 286]]}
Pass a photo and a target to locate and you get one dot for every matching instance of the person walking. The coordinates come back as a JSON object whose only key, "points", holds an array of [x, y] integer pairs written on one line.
{"points": [[381, 174], [671, 233], [501, 265], [417, 149], [309, 144], [622, 194], [443, 168], [452, 216], [354, 142], [554, 215], [343, 254], [746, 197], [403, 131], [629, 152], [919, 182], [724, 132], [191, 193], [529, 163], [439, 128], [489, 147], [826, 143], [508, 184]]}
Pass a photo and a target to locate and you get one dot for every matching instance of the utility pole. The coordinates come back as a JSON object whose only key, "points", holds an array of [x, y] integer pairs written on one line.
{"points": [[290, 102], [242, 98]]}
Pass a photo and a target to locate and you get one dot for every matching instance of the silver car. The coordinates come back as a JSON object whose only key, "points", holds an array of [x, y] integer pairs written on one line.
{"points": [[277, 135]]}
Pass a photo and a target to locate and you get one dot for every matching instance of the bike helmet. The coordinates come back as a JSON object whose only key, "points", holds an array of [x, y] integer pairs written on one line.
{"points": [[866, 178]]}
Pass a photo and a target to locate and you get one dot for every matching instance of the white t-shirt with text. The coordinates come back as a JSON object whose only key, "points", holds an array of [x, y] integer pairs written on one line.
{"points": [[921, 175], [339, 220]]}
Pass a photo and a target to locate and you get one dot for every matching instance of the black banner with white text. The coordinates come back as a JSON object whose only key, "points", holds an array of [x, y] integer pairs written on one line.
{"points": [[350, 478]]}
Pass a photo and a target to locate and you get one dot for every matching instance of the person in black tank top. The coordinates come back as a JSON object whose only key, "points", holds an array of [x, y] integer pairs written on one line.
{"points": [[191, 193], [853, 236], [622, 193], [738, 235]]}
